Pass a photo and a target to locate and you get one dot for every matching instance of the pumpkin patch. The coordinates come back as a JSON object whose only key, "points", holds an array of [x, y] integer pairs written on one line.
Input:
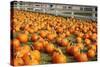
{"points": [[40, 38]]}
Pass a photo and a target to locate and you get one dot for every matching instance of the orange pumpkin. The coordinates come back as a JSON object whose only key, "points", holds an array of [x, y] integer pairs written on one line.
{"points": [[72, 30], [18, 62], [94, 47], [74, 50], [23, 50], [91, 53], [64, 42], [80, 45], [68, 48], [81, 57], [49, 48], [80, 34], [58, 39], [40, 39], [88, 42], [43, 34], [79, 40], [36, 54], [86, 36], [59, 30], [94, 36], [67, 33], [34, 37], [15, 43], [23, 38], [58, 58], [38, 45], [30, 60], [50, 36]]}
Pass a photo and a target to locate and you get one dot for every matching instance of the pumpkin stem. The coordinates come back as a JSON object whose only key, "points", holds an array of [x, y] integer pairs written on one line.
{"points": [[58, 50]]}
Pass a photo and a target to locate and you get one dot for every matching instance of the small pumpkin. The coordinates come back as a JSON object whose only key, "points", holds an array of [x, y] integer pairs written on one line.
{"points": [[68, 33], [34, 37], [23, 38], [38, 45], [30, 60], [15, 43], [22, 51], [91, 53], [64, 42], [80, 45], [36, 54], [79, 39], [49, 48], [86, 36], [81, 57], [43, 34], [50, 37], [87, 41], [74, 50], [94, 36], [59, 57], [17, 62]]}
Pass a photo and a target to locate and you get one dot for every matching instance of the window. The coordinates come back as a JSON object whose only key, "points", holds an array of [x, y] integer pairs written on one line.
{"points": [[69, 7], [96, 9], [83, 14], [87, 9], [81, 8], [96, 15], [21, 3], [37, 5], [30, 8], [15, 3], [51, 6], [64, 7]]}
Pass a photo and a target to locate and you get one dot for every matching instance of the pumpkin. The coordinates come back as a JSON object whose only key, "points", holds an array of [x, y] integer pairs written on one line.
{"points": [[68, 49], [23, 38], [58, 57], [30, 60], [94, 36], [59, 30], [58, 40], [86, 36], [68, 33], [79, 40], [49, 48], [80, 45], [74, 50], [15, 43], [38, 45], [22, 51], [50, 36], [43, 34], [80, 34], [17, 62], [64, 42], [88, 41], [81, 57], [91, 53], [36, 54], [94, 47], [34, 37]]}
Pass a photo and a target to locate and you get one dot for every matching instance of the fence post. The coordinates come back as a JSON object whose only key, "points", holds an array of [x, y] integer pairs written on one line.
{"points": [[72, 14]]}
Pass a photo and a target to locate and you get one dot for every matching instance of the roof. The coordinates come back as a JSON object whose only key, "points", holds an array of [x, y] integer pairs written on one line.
{"points": [[55, 4]]}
